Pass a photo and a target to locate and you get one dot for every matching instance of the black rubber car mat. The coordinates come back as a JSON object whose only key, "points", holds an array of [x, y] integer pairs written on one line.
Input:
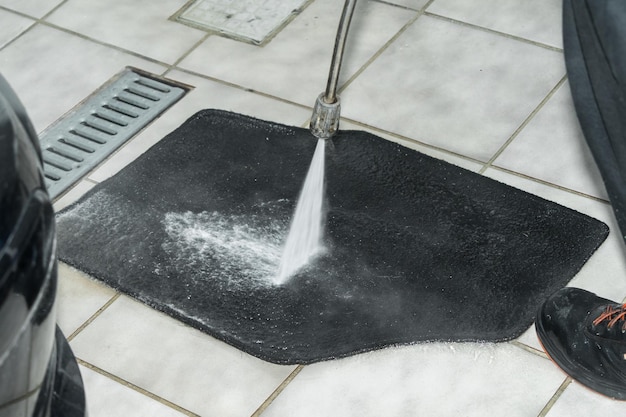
{"points": [[416, 249], [594, 36]]}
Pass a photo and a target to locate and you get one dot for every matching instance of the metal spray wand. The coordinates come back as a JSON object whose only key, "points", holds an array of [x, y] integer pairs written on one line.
{"points": [[326, 112]]}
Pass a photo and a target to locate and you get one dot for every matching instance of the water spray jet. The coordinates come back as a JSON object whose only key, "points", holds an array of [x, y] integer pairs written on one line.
{"points": [[305, 233]]}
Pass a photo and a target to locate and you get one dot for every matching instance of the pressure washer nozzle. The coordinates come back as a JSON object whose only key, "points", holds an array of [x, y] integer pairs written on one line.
{"points": [[325, 120]]}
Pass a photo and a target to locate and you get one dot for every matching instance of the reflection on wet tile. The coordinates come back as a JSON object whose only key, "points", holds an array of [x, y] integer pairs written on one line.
{"points": [[175, 362], [428, 379], [453, 86], [536, 20]]}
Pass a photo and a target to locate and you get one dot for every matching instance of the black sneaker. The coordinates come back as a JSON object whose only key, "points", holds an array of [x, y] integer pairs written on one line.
{"points": [[586, 336]]}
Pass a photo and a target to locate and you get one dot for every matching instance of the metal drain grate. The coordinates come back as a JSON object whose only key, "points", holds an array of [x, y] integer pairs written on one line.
{"points": [[97, 127]]}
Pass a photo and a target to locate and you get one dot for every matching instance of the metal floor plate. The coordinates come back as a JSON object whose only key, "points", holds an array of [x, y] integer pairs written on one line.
{"points": [[84, 137], [253, 21]]}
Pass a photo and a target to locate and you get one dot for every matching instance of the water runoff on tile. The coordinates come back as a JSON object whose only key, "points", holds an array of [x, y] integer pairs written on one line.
{"points": [[304, 240]]}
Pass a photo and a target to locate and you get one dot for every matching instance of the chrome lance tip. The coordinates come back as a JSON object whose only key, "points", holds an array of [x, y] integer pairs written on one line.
{"points": [[325, 119]]}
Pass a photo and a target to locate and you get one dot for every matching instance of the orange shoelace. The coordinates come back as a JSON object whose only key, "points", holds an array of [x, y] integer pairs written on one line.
{"points": [[613, 315]]}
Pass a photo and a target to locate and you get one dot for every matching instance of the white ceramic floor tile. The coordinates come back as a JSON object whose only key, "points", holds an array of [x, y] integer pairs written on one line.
{"points": [[294, 65], [605, 272], [529, 338], [552, 148], [73, 194], [424, 380], [141, 26], [205, 95], [578, 401], [52, 71], [175, 362], [536, 20], [453, 86], [413, 4], [108, 398], [11, 25], [35, 8], [78, 298]]}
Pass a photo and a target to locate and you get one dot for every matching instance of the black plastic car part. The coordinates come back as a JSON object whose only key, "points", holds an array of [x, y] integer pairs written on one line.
{"points": [[39, 375]]}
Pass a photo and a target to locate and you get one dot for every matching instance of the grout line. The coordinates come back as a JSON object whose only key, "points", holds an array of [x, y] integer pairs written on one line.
{"points": [[495, 32], [414, 141], [555, 397], [306, 124], [136, 388], [93, 316], [524, 124], [37, 21], [383, 48], [399, 6], [25, 31], [43, 22], [54, 9], [17, 12], [186, 54], [550, 184], [66, 192], [529, 349], [242, 88], [108, 45], [277, 391]]}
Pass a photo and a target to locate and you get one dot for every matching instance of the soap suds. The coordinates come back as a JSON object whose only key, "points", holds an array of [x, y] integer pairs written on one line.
{"points": [[237, 249]]}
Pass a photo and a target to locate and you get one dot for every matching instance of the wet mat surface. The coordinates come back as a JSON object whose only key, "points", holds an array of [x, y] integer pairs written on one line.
{"points": [[416, 249]]}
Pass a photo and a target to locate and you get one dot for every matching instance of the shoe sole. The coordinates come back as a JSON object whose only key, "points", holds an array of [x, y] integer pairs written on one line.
{"points": [[574, 371]]}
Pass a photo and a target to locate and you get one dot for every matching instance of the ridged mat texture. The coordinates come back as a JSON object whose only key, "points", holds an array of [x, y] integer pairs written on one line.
{"points": [[416, 249]]}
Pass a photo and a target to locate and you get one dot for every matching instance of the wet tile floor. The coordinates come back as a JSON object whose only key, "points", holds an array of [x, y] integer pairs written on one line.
{"points": [[480, 84]]}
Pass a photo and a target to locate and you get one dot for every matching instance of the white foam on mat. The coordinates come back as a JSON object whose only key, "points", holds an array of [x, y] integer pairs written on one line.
{"points": [[231, 247]]}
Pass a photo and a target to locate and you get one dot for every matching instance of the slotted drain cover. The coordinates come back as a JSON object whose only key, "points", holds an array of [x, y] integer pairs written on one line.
{"points": [[97, 127], [253, 21]]}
